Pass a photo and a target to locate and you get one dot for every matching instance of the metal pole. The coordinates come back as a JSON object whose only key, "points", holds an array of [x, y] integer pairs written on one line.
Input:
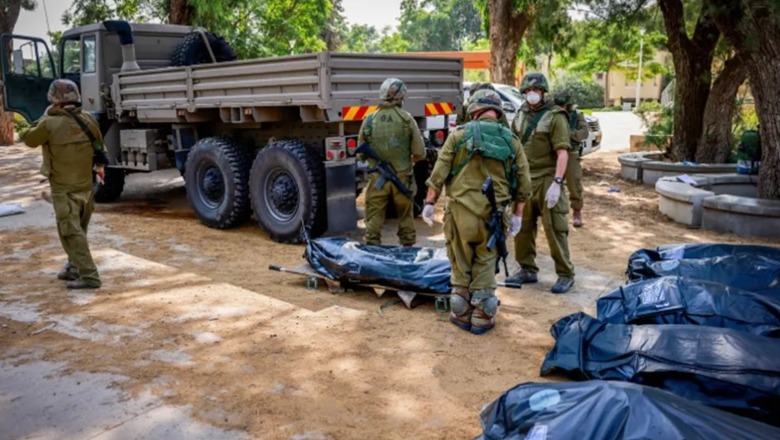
{"points": [[46, 14], [639, 74]]}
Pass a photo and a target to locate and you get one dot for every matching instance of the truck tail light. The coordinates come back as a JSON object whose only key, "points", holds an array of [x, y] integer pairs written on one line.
{"points": [[335, 148], [351, 146]]}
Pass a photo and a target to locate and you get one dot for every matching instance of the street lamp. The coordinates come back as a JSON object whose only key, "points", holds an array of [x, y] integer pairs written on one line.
{"points": [[639, 74]]}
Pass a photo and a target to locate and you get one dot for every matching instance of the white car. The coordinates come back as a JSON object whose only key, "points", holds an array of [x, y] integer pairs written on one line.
{"points": [[512, 99]]}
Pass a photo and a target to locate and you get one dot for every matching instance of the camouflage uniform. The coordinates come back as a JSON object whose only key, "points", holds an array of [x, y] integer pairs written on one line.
{"points": [[68, 157], [473, 301], [550, 134], [394, 136], [579, 131]]}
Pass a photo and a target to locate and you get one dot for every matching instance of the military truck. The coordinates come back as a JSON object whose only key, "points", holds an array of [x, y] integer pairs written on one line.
{"points": [[274, 137]]}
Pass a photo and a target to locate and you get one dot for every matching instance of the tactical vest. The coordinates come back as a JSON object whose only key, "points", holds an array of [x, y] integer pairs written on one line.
{"points": [[491, 140], [388, 133], [539, 152]]}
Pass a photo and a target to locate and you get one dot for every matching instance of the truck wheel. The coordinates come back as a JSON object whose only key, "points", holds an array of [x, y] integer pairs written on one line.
{"points": [[217, 179], [112, 186], [192, 50], [287, 189]]}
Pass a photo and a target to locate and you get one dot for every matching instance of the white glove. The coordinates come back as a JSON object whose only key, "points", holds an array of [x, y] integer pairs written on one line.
{"points": [[515, 223], [427, 214], [553, 194]]}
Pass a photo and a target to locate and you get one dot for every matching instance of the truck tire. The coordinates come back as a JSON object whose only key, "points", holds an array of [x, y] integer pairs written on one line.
{"points": [[192, 50], [112, 186], [217, 180], [287, 189]]}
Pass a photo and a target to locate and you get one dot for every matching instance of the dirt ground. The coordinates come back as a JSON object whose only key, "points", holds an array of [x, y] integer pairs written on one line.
{"points": [[194, 316]]}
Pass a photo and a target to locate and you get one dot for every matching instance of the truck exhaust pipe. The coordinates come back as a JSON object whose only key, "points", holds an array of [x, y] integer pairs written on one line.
{"points": [[125, 32]]}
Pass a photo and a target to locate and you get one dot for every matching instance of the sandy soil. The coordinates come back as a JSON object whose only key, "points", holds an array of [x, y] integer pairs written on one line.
{"points": [[193, 315]]}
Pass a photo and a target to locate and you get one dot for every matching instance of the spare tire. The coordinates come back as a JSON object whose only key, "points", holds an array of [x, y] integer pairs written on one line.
{"points": [[287, 190], [192, 50]]}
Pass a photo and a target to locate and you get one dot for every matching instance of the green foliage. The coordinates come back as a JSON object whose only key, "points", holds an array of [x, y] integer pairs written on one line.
{"points": [[660, 129], [647, 111], [585, 93], [745, 118], [20, 124], [439, 25], [83, 12]]}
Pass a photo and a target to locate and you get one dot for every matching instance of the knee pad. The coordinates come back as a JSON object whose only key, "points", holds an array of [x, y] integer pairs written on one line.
{"points": [[458, 305], [486, 301]]}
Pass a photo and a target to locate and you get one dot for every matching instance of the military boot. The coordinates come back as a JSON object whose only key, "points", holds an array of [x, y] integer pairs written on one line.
{"points": [[563, 285], [81, 284], [522, 276], [68, 273], [461, 308], [483, 318], [577, 218]]}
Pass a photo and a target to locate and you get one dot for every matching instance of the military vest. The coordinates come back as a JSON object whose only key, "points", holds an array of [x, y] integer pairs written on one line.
{"points": [[491, 140], [387, 131]]}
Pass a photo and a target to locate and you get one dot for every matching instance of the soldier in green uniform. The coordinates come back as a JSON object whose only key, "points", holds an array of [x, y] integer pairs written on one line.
{"points": [[394, 136], [69, 156], [482, 148], [464, 116], [578, 129], [543, 129]]}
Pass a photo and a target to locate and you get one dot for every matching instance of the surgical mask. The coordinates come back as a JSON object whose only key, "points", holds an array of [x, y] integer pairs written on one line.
{"points": [[533, 98]]}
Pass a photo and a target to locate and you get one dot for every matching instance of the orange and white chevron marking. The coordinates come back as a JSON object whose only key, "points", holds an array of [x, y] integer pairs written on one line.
{"points": [[439, 108]]}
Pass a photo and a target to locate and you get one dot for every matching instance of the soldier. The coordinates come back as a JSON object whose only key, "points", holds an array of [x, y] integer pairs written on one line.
{"points": [[464, 117], [394, 136], [69, 155], [579, 132], [482, 148], [544, 132]]}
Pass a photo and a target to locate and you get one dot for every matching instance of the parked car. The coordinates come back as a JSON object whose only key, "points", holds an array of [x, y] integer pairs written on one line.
{"points": [[512, 99]]}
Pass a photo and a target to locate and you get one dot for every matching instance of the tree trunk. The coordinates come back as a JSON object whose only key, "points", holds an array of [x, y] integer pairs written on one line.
{"points": [[692, 63], [753, 28], [181, 12], [9, 14], [507, 27], [715, 144]]}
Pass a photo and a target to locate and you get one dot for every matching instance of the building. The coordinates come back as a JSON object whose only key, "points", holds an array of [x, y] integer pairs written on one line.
{"points": [[619, 89]]}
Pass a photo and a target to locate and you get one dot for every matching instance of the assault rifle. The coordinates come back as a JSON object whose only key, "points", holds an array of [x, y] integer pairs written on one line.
{"points": [[384, 169], [495, 226]]}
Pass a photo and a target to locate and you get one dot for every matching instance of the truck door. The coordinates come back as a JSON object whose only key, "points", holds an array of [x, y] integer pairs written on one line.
{"points": [[28, 69]]}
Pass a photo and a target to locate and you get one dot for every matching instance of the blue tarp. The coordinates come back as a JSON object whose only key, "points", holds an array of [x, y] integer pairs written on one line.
{"points": [[674, 300], [602, 410], [422, 270], [729, 369]]}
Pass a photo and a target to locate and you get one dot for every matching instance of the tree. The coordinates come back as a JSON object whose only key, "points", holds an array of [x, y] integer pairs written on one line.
{"points": [[83, 12], [9, 14], [439, 25], [753, 29], [692, 57], [716, 141], [508, 21], [180, 12], [335, 27]]}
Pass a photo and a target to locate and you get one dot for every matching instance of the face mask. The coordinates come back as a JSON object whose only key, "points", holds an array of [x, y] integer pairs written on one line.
{"points": [[533, 98]]}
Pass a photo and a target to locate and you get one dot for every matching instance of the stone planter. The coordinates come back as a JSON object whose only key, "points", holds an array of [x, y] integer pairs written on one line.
{"points": [[720, 203]]}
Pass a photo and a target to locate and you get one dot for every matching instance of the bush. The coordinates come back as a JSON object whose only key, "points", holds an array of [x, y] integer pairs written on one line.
{"points": [[20, 124], [648, 112], [585, 93], [659, 129]]}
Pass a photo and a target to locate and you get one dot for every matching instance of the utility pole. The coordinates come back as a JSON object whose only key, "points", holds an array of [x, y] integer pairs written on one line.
{"points": [[639, 74]]}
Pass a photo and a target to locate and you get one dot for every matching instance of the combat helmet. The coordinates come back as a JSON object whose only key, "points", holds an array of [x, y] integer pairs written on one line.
{"points": [[392, 90], [534, 79], [484, 99], [63, 91], [562, 98]]}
